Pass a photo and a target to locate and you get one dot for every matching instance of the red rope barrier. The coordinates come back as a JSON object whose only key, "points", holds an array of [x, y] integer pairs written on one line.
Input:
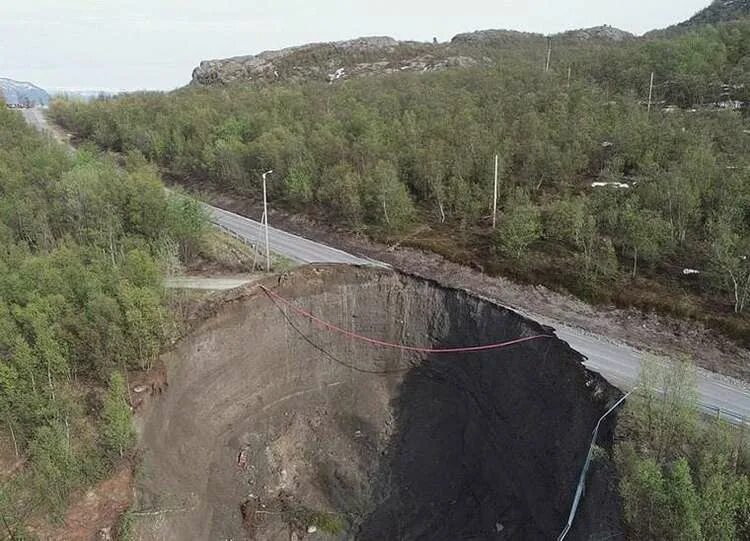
{"points": [[381, 343]]}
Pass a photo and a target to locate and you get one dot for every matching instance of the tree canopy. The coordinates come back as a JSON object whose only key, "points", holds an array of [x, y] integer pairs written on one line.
{"points": [[81, 303]]}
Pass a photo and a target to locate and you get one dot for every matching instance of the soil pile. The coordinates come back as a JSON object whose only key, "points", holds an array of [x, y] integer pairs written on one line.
{"points": [[274, 428]]}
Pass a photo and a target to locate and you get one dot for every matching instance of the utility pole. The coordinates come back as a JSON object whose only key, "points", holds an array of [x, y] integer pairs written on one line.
{"points": [[494, 201], [265, 221], [549, 54], [650, 91]]}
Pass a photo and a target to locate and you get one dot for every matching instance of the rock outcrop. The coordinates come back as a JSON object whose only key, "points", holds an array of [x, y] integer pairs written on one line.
{"points": [[329, 62], [379, 55], [495, 37], [596, 33]]}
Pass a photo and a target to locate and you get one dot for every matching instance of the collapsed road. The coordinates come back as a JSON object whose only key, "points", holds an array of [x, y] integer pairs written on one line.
{"points": [[275, 423], [618, 363]]}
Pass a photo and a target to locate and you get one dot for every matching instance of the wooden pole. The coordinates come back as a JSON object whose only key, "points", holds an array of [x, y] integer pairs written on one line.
{"points": [[650, 91], [265, 215], [494, 201]]}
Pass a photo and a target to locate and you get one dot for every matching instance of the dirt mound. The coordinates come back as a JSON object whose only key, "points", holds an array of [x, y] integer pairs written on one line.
{"points": [[273, 427]]}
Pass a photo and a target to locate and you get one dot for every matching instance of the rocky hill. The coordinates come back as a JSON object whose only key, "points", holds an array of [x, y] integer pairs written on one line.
{"points": [[496, 37], [329, 61], [719, 11], [597, 33], [21, 93], [604, 33], [366, 56]]}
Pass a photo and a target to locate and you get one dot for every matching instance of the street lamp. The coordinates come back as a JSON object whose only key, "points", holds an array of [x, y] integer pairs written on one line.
{"points": [[265, 216]]}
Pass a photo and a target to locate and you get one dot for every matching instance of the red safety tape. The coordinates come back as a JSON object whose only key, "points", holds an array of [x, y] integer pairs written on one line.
{"points": [[381, 343]]}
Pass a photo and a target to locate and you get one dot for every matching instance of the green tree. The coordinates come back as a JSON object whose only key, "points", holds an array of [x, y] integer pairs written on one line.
{"points": [[683, 505], [186, 222], [742, 498], [718, 497], [520, 225], [596, 252], [386, 198], [645, 498], [299, 184], [644, 233], [57, 469], [564, 220], [663, 412], [341, 193], [117, 432], [731, 259]]}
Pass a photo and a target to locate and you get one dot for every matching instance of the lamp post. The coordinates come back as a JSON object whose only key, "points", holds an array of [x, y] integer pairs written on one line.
{"points": [[265, 216]]}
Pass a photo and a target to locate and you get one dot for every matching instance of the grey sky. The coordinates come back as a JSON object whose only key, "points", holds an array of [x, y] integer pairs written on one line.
{"points": [[137, 44]]}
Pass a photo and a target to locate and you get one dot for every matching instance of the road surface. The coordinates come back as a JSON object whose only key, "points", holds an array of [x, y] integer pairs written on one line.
{"points": [[282, 243], [208, 284], [618, 363], [35, 117]]}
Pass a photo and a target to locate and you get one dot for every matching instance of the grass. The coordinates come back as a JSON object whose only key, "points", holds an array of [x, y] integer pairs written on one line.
{"points": [[301, 517]]}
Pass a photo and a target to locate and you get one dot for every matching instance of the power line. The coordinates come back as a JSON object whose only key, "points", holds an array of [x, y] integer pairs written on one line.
{"points": [[330, 355], [382, 343]]}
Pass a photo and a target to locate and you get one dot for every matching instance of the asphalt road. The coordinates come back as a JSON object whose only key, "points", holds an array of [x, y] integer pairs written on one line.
{"points": [[208, 284], [282, 243], [618, 363], [35, 117]]}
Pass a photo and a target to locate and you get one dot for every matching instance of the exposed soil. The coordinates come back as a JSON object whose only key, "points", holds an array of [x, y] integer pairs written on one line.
{"points": [[646, 331], [94, 514], [272, 425]]}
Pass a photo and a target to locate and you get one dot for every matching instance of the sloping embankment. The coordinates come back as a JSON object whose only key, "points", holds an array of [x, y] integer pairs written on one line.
{"points": [[272, 424]]}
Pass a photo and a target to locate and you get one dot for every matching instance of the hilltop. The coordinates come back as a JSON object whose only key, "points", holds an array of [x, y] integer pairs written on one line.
{"points": [[720, 11], [364, 56], [18, 93]]}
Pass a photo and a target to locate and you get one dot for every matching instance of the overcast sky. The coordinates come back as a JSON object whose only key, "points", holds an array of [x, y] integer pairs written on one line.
{"points": [[154, 44]]}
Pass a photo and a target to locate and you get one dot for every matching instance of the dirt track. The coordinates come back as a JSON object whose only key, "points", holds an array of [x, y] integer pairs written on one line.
{"points": [[270, 424]]}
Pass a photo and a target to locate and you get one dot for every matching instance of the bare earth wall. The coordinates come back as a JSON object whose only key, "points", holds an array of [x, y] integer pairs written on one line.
{"points": [[271, 422]]}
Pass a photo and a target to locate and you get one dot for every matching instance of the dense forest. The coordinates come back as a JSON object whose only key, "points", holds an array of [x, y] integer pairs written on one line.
{"points": [[390, 155], [83, 246]]}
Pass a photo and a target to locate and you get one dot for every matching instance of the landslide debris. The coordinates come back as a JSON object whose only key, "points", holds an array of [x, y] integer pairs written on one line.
{"points": [[273, 427]]}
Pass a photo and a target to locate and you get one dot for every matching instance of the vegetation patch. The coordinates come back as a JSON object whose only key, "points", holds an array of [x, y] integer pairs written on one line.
{"points": [[683, 475], [84, 245], [599, 194]]}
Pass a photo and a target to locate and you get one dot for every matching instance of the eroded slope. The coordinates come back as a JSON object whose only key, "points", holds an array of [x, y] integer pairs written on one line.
{"points": [[271, 424]]}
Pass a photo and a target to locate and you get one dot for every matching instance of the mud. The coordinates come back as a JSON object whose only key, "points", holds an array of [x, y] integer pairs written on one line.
{"points": [[272, 426]]}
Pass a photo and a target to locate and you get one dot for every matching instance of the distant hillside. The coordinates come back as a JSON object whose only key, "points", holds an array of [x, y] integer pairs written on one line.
{"points": [[719, 11], [19, 93], [82, 95], [367, 56], [326, 61]]}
